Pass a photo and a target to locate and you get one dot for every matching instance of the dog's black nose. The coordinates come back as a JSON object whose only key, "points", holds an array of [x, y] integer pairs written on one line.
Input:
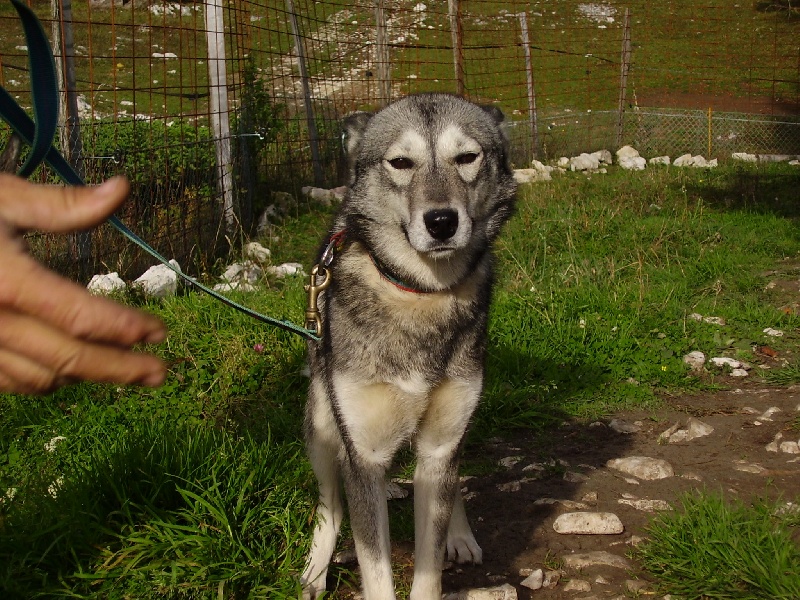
{"points": [[441, 223]]}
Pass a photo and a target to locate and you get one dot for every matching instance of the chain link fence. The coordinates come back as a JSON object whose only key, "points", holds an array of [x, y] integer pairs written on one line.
{"points": [[216, 109]]}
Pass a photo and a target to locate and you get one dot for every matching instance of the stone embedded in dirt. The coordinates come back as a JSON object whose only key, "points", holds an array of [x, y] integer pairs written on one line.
{"points": [[660, 160], [739, 373], [644, 505], [551, 579], [598, 557], [767, 414], [509, 461], [568, 504], [694, 429], [588, 523], [746, 467], [621, 426], [790, 448], [711, 320], [696, 360], [726, 361], [635, 586], [502, 592], [511, 486], [577, 585], [744, 156], [773, 332], [590, 497], [574, 477], [773, 445], [643, 467], [534, 581]]}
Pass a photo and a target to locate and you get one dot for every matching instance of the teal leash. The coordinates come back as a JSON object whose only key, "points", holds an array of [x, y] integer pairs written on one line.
{"points": [[39, 134]]}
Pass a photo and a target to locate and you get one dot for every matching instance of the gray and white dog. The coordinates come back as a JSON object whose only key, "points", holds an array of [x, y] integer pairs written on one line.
{"points": [[404, 330]]}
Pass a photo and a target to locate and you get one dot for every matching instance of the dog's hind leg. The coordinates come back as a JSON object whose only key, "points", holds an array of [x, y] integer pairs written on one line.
{"points": [[436, 484], [323, 445]]}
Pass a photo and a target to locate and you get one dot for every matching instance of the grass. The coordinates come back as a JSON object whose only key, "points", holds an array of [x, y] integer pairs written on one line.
{"points": [[200, 488], [713, 548]]}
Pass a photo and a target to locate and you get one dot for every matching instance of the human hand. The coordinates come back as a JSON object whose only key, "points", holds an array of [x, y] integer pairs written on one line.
{"points": [[53, 331]]}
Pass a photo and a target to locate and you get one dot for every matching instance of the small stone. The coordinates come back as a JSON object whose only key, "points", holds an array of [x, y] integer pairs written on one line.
{"points": [[696, 360], [551, 579], [633, 163], [584, 162], [600, 580], [588, 523], [643, 467], [739, 373], [577, 585], [598, 557], [511, 486], [256, 252], [621, 426], [649, 506], [697, 429], [534, 581], [659, 160], [773, 445], [503, 592], [726, 361], [106, 284], [286, 269], [746, 467], [574, 477], [767, 414], [790, 448], [590, 497], [159, 281], [744, 156], [635, 586], [509, 461], [773, 332], [627, 152]]}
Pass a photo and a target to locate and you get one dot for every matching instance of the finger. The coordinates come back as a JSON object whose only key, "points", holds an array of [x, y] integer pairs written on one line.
{"points": [[75, 359], [58, 208], [27, 287], [20, 375]]}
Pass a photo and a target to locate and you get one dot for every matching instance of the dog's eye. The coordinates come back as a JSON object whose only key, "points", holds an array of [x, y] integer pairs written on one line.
{"points": [[401, 162], [467, 158]]}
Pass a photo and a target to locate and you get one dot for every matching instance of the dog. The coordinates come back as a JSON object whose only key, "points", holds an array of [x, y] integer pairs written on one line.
{"points": [[403, 330]]}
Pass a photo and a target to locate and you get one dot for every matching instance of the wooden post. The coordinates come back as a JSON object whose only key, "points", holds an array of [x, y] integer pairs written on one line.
{"points": [[526, 46], [82, 240], [623, 78], [58, 57], [218, 105], [456, 33], [312, 124], [382, 65]]}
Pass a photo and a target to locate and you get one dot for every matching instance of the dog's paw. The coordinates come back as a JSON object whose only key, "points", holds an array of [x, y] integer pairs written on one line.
{"points": [[313, 589], [464, 549]]}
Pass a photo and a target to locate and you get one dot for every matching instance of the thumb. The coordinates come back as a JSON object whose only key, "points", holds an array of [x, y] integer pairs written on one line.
{"points": [[25, 205]]}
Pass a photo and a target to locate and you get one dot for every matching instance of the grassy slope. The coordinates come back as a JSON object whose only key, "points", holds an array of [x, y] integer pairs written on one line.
{"points": [[201, 484]]}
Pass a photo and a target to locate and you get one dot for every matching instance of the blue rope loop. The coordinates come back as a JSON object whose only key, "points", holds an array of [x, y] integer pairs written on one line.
{"points": [[39, 134]]}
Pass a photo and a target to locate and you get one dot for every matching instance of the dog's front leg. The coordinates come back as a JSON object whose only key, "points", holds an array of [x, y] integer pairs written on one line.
{"points": [[365, 485], [436, 482]]}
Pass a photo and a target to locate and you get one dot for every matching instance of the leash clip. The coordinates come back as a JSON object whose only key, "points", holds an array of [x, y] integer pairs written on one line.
{"points": [[313, 319]]}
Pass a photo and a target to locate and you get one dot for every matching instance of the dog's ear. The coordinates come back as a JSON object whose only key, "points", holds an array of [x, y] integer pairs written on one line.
{"points": [[353, 126], [494, 112]]}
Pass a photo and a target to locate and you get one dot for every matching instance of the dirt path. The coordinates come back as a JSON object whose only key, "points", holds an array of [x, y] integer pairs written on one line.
{"points": [[515, 528]]}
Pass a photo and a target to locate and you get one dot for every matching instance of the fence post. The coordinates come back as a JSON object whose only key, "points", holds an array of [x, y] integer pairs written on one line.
{"points": [[82, 241], [313, 137], [382, 55], [532, 118], [623, 78], [218, 101], [456, 33]]}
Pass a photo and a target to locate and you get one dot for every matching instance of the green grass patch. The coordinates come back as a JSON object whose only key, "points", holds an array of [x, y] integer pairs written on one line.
{"points": [[713, 548]]}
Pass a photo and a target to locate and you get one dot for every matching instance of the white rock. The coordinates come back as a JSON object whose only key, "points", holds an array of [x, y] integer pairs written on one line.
{"points": [[773, 332], [697, 429], [256, 252], [599, 557], [712, 320], [419, 8], [563, 162], [502, 592], [568, 504], [528, 175], [574, 477], [511, 486], [159, 281], [643, 467], [509, 461], [739, 373], [744, 156], [603, 156], [726, 361], [685, 160], [534, 581], [540, 166], [584, 162], [773, 445], [551, 579], [632, 163], [588, 523], [577, 585], [627, 152], [659, 160], [790, 447], [286, 269], [746, 467], [695, 360], [230, 286], [106, 284], [767, 414], [644, 505]]}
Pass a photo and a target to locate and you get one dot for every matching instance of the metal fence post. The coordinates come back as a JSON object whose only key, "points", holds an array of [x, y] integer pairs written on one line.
{"points": [[312, 124], [623, 77], [532, 119], [382, 55], [456, 33]]}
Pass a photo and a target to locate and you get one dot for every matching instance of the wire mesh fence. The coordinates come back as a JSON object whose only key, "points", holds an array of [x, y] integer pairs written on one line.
{"points": [[210, 108]]}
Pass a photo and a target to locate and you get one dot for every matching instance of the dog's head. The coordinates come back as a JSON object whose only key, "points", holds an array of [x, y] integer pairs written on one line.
{"points": [[430, 185]]}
